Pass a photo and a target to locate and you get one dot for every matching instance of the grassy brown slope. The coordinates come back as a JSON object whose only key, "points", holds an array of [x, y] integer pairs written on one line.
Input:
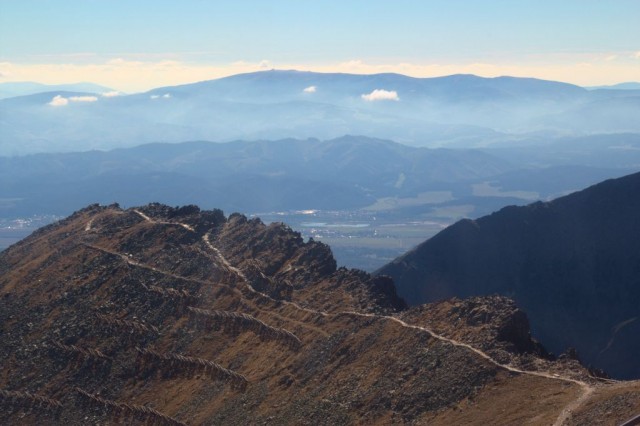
{"points": [[610, 405], [520, 400]]}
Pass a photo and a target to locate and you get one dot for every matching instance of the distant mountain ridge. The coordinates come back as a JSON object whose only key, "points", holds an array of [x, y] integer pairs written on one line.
{"points": [[464, 110], [573, 264], [630, 85], [24, 88], [348, 172], [285, 84]]}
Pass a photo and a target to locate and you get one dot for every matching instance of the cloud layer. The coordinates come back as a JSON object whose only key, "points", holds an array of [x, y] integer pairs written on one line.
{"points": [[381, 95], [60, 100], [165, 96], [83, 98]]}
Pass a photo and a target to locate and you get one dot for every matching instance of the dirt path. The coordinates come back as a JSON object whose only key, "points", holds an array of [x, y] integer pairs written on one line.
{"points": [[568, 410], [225, 263], [148, 219], [241, 275], [137, 264], [586, 389]]}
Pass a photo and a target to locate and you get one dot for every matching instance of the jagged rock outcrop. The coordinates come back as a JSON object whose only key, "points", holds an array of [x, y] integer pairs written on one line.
{"points": [[572, 264], [161, 315], [488, 322]]}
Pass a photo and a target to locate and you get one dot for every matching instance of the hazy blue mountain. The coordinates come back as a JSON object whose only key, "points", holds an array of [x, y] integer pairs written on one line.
{"points": [[631, 85], [279, 86], [613, 150], [556, 181], [350, 179], [457, 110], [345, 173], [573, 264], [22, 88], [605, 115]]}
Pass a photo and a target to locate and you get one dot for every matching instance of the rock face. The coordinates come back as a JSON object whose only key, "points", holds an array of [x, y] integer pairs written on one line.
{"points": [[573, 264], [169, 316], [491, 322]]}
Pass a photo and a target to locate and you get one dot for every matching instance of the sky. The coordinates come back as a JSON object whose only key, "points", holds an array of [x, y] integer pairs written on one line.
{"points": [[136, 45]]}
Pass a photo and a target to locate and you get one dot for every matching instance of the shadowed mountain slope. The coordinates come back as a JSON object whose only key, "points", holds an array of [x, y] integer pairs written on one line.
{"points": [[170, 316], [573, 264]]}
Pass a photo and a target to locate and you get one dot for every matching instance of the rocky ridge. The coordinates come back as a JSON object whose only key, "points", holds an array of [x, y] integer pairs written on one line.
{"points": [[180, 316]]}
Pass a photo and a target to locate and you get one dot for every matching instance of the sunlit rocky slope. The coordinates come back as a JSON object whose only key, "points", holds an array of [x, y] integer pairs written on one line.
{"points": [[162, 315]]}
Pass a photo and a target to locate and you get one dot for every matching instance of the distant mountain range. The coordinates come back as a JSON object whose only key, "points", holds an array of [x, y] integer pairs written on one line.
{"points": [[347, 173], [23, 88], [573, 264], [631, 85], [458, 110]]}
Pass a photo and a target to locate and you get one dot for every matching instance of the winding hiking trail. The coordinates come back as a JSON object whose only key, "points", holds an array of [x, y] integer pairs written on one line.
{"points": [[148, 219], [241, 275], [586, 389]]}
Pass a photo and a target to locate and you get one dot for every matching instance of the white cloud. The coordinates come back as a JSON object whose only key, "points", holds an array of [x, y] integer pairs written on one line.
{"points": [[111, 94], [310, 89], [637, 55], [381, 95], [83, 98], [59, 101], [264, 64], [165, 96]]}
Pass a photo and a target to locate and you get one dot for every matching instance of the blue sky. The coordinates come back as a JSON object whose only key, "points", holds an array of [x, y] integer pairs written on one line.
{"points": [[138, 44]]}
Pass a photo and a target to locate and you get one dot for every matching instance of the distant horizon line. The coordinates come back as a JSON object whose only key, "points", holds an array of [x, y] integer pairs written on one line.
{"points": [[189, 82]]}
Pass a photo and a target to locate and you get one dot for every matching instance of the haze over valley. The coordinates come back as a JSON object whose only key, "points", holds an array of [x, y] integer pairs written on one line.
{"points": [[370, 199], [462, 111], [462, 146]]}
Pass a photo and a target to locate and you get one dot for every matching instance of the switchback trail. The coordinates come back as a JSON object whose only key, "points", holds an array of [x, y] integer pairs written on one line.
{"points": [[141, 265], [148, 219], [586, 389]]}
